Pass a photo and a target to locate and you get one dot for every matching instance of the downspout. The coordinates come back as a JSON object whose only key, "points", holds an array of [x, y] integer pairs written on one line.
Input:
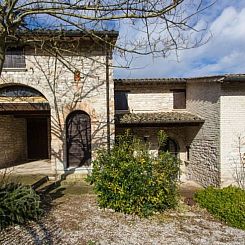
{"points": [[2, 51], [108, 97]]}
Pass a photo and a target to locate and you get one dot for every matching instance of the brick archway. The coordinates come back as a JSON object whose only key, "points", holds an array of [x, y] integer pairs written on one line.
{"points": [[25, 121]]}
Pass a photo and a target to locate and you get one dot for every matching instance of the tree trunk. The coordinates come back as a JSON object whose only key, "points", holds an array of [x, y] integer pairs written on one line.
{"points": [[2, 50]]}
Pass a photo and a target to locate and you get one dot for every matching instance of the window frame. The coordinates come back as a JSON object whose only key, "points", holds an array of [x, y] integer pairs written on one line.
{"points": [[14, 59], [121, 108], [177, 105], [167, 147]]}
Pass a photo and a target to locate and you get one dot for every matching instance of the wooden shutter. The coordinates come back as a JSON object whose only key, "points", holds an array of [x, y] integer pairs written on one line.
{"points": [[179, 99], [14, 58]]}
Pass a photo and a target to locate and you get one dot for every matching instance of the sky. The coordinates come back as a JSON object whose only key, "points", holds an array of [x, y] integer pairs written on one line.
{"points": [[224, 53]]}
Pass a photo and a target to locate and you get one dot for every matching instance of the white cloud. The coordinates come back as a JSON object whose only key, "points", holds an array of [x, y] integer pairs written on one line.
{"points": [[224, 53]]}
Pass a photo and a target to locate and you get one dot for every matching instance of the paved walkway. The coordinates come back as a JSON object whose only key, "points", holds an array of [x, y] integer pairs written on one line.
{"points": [[42, 167]]}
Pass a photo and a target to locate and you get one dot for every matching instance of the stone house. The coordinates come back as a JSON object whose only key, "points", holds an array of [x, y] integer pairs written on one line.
{"points": [[56, 100], [203, 117], [59, 103]]}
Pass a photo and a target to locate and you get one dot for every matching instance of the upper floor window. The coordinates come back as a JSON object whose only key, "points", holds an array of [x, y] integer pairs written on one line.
{"points": [[14, 58], [179, 99], [121, 101]]}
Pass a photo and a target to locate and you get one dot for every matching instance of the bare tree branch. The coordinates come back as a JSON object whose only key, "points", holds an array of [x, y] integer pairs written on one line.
{"points": [[164, 25]]}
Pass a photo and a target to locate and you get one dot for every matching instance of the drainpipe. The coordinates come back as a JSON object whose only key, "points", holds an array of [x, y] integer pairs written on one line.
{"points": [[107, 96]]}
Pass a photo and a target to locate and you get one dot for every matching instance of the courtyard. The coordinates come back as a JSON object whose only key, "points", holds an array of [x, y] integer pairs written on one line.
{"points": [[72, 216]]}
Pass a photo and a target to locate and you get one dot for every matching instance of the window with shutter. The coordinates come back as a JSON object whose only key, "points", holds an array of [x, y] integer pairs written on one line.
{"points": [[14, 58], [179, 99]]}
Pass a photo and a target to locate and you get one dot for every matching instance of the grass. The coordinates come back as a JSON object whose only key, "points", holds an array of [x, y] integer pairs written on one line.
{"points": [[227, 204], [77, 188]]}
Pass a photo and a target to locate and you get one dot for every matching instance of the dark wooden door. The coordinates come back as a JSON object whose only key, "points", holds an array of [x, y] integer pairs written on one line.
{"points": [[37, 138], [78, 135]]}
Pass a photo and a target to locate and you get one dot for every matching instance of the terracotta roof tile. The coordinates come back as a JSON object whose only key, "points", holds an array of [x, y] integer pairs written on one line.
{"points": [[161, 117], [210, 78]]}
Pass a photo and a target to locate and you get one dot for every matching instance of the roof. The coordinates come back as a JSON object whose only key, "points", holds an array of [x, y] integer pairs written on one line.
{"points": [[61, 35], [213, 78], [158, 118], [68, 33], [149, 80]]}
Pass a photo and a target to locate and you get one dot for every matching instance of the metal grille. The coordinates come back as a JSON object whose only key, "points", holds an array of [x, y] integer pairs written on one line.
{"points": [[78, 129]]}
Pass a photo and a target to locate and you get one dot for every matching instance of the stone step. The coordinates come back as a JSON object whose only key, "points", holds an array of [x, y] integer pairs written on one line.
{"points": [[39, 183], [48, 187]]}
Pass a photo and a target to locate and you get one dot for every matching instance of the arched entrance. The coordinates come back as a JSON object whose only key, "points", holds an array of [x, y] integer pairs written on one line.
{"points": [[25, 123], [78, 139], [170, 146]]}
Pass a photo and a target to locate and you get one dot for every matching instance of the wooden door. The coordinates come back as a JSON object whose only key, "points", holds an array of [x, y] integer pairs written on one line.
{"points": [[37, 138], [78, 139]]}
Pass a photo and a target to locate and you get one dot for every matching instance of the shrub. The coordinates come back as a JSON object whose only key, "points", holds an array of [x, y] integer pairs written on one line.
{"points": [[18, 204], [130, 180], [227, 204]]}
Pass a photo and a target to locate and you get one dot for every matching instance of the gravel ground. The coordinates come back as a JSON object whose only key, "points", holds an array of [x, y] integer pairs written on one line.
{"points": [[76, 219]]}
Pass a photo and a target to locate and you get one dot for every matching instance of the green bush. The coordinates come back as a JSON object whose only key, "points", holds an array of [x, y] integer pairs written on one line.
{"points": [[130, 180], [227, 204], [18, 204]]}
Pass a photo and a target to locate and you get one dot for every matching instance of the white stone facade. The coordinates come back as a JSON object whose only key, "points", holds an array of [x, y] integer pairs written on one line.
{"points": [[163, 101], [232, 131], [53, 78]]}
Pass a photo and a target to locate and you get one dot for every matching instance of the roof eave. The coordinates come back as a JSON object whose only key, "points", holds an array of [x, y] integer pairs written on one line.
{"points": [[166, 123]]}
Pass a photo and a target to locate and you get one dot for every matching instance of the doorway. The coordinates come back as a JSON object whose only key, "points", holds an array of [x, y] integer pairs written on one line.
{"points": [[37, 138], [78, 139]]}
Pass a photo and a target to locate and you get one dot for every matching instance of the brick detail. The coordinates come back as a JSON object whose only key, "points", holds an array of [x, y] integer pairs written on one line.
{"points": [[12, 141]]}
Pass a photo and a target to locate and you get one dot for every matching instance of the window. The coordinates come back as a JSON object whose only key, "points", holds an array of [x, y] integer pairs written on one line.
{"points": [[170, 146], [121, 101], [14, 58], [179, 98]]}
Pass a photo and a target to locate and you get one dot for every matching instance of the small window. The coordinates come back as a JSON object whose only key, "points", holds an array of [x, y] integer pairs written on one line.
{"points": [[179, 99], [121, 101], [14, 58], [170, 146]]}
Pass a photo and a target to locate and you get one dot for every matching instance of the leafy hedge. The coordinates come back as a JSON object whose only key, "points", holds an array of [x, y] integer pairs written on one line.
{"points": [[130, 180], [18, 204], [227, 204]]}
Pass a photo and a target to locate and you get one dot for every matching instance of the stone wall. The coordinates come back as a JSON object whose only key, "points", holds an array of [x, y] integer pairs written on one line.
{"points": [[203, 100], [150, 98], [13, 142], [143, 102], [232, 123], [56, 82]]}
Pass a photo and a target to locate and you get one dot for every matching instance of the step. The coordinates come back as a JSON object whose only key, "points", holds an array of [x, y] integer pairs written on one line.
{"points": [[39, 183]]}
